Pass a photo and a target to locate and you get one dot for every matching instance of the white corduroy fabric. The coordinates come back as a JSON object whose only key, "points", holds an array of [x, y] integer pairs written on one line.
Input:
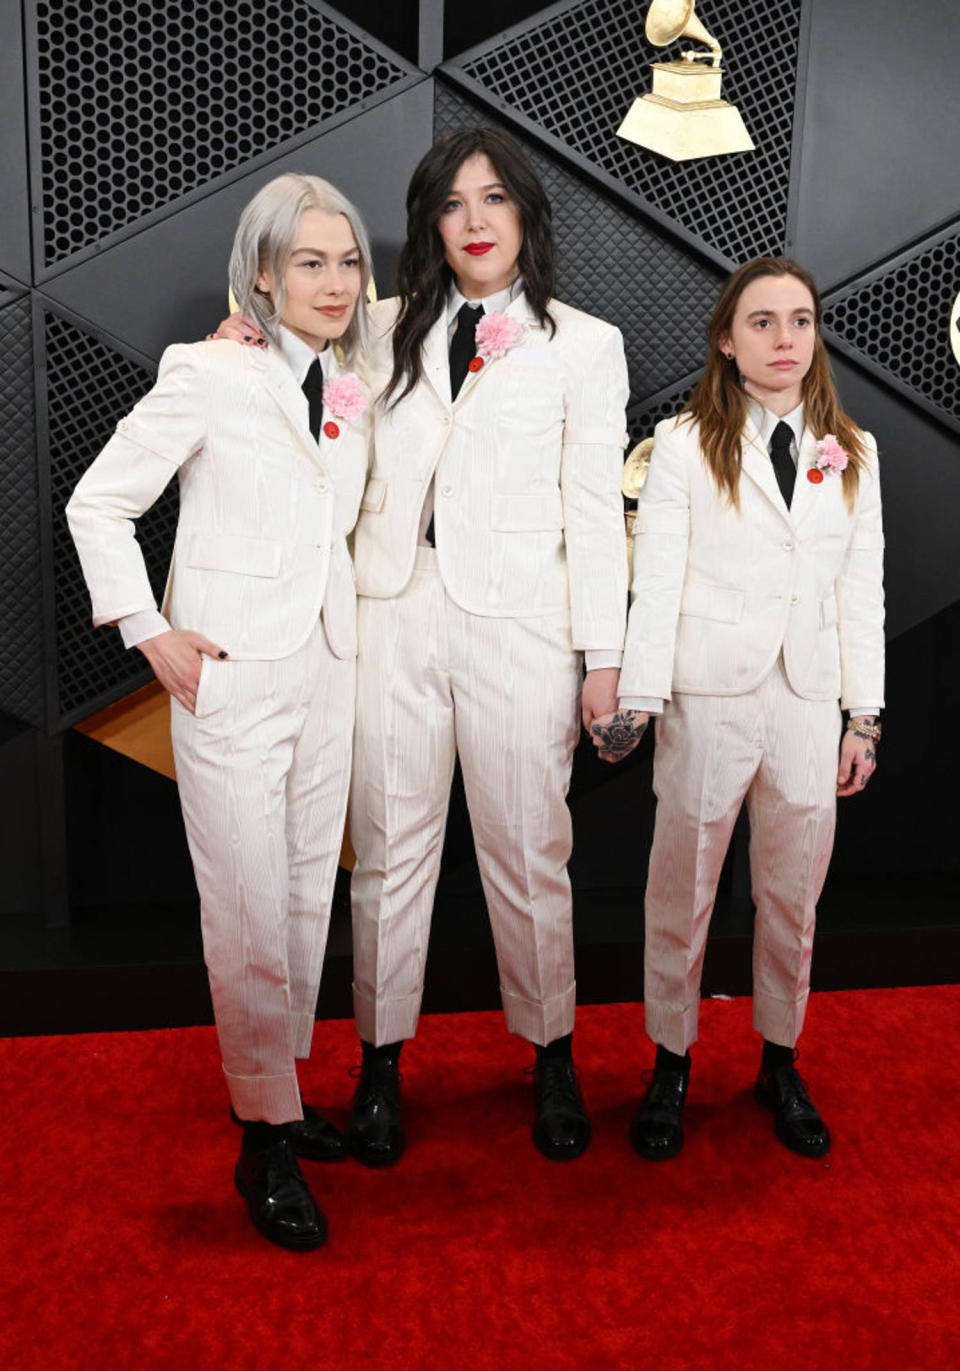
{"points": [[434, 680]]}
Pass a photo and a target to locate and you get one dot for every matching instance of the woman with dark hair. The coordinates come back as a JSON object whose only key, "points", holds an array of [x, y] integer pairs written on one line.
{"points": [[757, 609], [490, 557]]}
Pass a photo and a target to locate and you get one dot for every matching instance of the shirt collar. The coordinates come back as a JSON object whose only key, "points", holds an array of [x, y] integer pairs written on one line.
{"points": [[765, 422], [300, 356], [492, 304]]}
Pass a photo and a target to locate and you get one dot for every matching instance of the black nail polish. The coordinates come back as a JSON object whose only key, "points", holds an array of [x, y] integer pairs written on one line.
{"points": [[221, 655], [247, 338]]}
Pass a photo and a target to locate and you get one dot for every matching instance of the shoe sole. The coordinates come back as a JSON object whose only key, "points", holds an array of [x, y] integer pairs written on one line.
{"points": [[290, 1243], [768, 1102]]}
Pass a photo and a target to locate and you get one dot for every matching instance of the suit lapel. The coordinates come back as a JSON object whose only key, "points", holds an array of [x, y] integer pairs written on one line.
{"points": [[290, 399], [805, 493], [517, 309], [755, 462], [436, 358], [330, 447]]}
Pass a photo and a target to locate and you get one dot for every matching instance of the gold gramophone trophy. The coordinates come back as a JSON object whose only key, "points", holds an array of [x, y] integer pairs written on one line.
{"points": [[683, 116]]}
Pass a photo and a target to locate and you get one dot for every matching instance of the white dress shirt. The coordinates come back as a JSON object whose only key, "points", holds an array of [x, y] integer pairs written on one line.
{"points": [[765, 421], [299, 356], [496, 304]]}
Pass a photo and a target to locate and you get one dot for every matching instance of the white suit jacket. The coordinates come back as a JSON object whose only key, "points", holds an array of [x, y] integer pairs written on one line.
{"points": [[264, 510], [528, 461], [717, 592]]}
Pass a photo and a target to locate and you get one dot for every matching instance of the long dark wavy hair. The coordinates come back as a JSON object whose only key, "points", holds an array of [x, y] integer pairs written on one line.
{"points": [[423, 275], [719, 402]]}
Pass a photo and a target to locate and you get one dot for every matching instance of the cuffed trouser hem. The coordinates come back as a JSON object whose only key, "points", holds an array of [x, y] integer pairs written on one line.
{"points": [[540, 1021], [672, 1026], [272, 1099], [302, 1026], [780, 1021], [386, 1021]]}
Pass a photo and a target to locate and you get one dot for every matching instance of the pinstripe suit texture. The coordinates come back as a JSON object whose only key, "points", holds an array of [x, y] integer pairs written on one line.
{"points": [[261, 566], [752, 624], [476, 648]]}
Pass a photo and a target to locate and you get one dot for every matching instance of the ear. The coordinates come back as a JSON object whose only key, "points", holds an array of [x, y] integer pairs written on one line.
{"points": [[726, 347]]}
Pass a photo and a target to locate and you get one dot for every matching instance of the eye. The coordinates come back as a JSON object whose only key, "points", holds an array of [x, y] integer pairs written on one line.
{"points": [[312, 262], [762, 323], [450, 205], [496, 197], [350, 262], [804, 321]]}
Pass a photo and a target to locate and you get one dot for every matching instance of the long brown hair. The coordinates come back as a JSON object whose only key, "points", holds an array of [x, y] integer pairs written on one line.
{"points": [[719, 402], [423, 276]]}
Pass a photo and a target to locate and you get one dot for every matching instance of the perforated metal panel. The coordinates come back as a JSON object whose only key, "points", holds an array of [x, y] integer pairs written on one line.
{"points": [[21, 597], [91, 387], [612, 266], [142, 101], [643, 419], [897, 320], [576, 73]]}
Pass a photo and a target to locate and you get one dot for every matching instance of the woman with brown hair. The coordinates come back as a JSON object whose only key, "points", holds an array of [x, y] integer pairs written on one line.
{"points": [[757, 609]]}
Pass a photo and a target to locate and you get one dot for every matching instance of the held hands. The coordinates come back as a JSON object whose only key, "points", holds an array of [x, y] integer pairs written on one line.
{"points": [[616, 735], [239, 328], [858, 762], [175, 658]]}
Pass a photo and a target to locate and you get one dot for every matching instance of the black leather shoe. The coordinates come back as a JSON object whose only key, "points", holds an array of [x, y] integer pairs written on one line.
{"points": [[268, 1177], [657, 1132], [562, 1129], [312, 1137], [795, 1120], [375, 1133]]}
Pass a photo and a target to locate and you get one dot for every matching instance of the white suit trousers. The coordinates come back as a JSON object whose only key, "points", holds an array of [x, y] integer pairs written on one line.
{"points": [[263, 770], [434, 680], [780, 753]]}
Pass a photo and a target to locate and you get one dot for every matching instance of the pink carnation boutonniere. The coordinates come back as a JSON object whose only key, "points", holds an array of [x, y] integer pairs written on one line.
{"points": [[343, 396], [831, 459], [496, 334]]}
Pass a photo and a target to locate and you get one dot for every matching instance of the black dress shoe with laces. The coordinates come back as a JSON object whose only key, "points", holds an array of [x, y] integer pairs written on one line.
{"points": [[657, 1131], [375, 1133], [795, 1120], [561, 1130], [312, 1138], [268, 1177]]}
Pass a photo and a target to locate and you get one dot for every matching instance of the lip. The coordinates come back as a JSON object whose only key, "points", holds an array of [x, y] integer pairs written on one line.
{"points": [[477, 249], [783, 365], [332, 311]]}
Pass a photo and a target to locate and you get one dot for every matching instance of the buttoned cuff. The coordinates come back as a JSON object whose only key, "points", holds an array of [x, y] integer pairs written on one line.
{"points": [[138, 627]]}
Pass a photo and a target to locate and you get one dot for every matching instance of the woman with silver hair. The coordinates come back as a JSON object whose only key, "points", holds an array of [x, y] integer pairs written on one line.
{"points": [[256, 644]]}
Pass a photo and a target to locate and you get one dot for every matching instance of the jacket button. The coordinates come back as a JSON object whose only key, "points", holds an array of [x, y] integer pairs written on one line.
{"points": [[788, 547], [794, 599], [446, 490], [322, 486]]}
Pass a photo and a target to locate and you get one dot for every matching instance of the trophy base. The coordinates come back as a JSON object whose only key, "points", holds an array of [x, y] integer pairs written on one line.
{"points": [[684, 130]]}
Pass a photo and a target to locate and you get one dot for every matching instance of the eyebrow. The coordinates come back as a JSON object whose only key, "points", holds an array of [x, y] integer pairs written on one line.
{"points": [[494, 185], [771, 313], [318, 252]]}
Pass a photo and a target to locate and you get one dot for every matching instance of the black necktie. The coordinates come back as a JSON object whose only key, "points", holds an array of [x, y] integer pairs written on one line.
{"points": [[313, 390], [783, 468], [464, 346], [463, 349]]}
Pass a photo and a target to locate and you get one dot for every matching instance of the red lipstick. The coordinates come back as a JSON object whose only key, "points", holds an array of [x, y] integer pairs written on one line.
{"points": [[477, 249]]}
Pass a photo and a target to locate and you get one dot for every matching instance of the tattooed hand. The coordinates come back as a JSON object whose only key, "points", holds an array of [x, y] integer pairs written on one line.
{"points": [[616, 735], [858, 762]]}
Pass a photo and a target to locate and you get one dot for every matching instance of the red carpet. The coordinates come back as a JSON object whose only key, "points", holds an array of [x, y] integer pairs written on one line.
{"points": [[125, 1245]]}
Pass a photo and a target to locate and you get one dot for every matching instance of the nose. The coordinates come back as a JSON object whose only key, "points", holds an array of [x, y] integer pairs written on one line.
{"points": [[475, 217], [784, 336], [334, 282]]}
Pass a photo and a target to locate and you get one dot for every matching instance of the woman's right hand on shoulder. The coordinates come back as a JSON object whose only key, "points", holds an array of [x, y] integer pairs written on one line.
{"points": [[238, 328], [176, 657]]}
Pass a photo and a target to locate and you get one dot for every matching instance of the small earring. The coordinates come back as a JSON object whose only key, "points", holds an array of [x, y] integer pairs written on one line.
{"points": [[729, 356]]}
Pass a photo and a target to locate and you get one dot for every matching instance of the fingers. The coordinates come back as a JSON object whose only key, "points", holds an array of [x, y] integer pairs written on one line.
{"points": [[208, 648], [616, 735]]}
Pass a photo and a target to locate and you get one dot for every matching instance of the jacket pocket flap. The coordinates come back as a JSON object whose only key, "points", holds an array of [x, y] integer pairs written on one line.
{"points": [[828, 611], [526, 513], [374, 495], [724, 604], [235, 552]]}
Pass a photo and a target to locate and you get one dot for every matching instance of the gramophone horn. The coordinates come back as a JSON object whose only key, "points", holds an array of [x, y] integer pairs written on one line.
{"points": [[671, 19]]}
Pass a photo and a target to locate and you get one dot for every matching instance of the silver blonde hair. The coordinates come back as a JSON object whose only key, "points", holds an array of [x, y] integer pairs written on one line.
{"points": [[264, 242]]}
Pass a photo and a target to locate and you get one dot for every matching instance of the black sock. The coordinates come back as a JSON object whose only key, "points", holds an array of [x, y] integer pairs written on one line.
{"points": [[775, 1055], [669, 1061], [560, 1050], [258, 1134], [376, 1054]]}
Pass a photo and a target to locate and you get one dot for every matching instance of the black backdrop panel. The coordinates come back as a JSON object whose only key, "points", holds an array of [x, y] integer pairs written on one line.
{"points": [[21, 600], [90, 386], [896, 320], [881, 117], [139, 104], [15, 197], [575, 72], [168, 283], [613, 266]]}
